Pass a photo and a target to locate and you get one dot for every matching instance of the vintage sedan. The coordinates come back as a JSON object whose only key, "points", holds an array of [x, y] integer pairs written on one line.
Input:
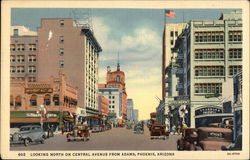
{"points": [[97, 128], [27, 134], [80, 131], [213, 138], [205, 138], [188, 139], [158, 131]]}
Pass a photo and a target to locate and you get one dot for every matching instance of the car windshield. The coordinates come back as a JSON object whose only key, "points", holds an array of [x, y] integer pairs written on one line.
{"points": [[25, 129]]}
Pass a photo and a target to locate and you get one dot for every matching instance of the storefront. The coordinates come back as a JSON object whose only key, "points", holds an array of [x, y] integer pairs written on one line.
{"points": [[210, 114]]}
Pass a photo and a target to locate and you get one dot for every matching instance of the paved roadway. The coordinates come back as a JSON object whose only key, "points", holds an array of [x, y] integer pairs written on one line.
{"points": [[114, 139]]}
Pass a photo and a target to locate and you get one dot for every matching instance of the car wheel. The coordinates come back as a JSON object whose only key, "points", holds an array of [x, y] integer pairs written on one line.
{"points": [[192, 147], [68, 140], [26, 142], [42, 141]]}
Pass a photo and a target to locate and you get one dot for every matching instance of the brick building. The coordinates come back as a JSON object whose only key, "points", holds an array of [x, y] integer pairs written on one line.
{"points": [[73, 50], [26, 98], [23, 53]]}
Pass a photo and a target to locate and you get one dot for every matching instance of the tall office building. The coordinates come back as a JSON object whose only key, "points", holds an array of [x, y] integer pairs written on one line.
{"points": [[73, 50], [170, 35], [211, 53], [117, 79], [130, 108], [23, 53]]}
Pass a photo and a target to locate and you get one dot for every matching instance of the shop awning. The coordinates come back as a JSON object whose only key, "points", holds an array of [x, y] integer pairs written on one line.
{"points": [[32, 120]]}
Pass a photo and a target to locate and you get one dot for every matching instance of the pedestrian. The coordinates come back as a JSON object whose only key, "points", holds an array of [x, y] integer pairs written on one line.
{"points": [[48, 130], [62, 128], [179, 129]]}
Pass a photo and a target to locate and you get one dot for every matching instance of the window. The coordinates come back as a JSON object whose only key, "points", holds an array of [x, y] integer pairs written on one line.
{"points": [[118, 79], [20, 69], [234, 69], [32, 58], [56, 100], [61, 39], [20, 47], [209, 54], [113, 106], [15, 32], [209, 71], [217, 36], [61, 51], [235, 36], [32, 69], [205, 88], [18, 101], [61, 63], [12, 58], [235, 53], [33, 100], [113, 102], [172, 42], [12, 47], [113, 97], [172, 33], [176, 33], [62, 22], [109, 97], [47, 99], [32, 47], [12, 69]]}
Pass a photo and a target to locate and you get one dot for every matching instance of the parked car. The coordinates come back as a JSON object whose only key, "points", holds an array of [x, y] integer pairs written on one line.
{"points": [[138, 129], [237, 145], [97, 128], [188, 139], [207, 138], [27, 134], [80, 131], [158, 131]]}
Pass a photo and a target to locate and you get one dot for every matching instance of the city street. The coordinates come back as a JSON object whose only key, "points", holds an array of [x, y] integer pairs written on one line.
{"points": [[114, 139]]}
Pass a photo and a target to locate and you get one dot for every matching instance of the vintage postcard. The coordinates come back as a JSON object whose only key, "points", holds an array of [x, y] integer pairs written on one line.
{"points": [[125, 80]]}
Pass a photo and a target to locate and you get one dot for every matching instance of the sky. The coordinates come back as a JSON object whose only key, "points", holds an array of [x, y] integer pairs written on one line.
{"points": [[136, 34]]}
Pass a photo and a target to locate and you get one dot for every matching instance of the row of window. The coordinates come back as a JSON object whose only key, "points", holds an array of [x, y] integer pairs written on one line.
{"points": [[235, 36], [113, 97], [31, 58], [235, 53], [111, 102], [111, 106], [208, 88], [21, 47], [216, 70], [234, 69], [30, 79], [209, 71], [172, 33], [209, 53], [209, 36], [20, 69]]}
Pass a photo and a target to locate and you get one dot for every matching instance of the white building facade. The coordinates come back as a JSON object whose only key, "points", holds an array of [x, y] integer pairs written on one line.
{"points": [[130, 108], [211, 54], [114, 95]]}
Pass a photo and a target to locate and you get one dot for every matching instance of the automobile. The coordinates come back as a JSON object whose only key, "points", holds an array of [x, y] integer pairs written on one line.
{"points": [[214, 138], [207, 138], [80, 131], [188, 139], [128, 125], [237, 145], [158, 131], [28, 134], [97, 128], [138, 129]]}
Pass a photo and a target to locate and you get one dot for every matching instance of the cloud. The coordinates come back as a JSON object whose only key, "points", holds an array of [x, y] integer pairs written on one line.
{"points": [[140, 59]]}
